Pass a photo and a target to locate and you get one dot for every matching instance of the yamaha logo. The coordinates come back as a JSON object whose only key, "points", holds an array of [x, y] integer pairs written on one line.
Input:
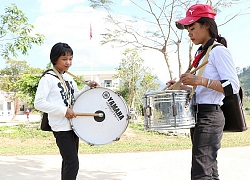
{"points": [[105, 94], [112, 105]]}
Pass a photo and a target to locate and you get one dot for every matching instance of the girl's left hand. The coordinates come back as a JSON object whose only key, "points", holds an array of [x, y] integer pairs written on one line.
{"points": [[190, 79]]}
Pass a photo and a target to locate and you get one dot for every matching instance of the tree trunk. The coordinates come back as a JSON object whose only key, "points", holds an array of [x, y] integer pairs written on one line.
{"points": [[16, 108]]}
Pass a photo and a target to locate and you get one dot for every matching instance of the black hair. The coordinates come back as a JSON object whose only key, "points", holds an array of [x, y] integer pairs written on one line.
{"points": [[213, 29], [59, 49]]}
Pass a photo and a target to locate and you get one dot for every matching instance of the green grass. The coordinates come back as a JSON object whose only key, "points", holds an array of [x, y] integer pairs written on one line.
{"points": [[23, 140]]}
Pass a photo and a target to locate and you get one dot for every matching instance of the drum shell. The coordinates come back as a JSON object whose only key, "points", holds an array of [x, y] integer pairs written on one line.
{"points": [[114, 123], [167, 110]]}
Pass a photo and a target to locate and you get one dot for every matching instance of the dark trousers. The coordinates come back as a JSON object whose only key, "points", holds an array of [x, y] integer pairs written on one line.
{"points": [[68, 144], [206, 141]]}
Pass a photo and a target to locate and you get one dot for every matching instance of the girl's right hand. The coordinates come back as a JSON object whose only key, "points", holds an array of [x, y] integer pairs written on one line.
{"points": [[70, 114], [170, 83]]}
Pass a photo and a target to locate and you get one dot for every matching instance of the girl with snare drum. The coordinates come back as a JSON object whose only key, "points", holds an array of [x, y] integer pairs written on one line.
{"points": [[218, 79]]}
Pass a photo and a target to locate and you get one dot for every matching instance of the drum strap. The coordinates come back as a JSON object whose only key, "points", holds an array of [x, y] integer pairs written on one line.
{"points": [[201, 69], [64, 84], [84, 82]]}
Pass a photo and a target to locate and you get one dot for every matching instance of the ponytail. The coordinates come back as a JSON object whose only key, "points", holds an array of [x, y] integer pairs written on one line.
{"points": [[213, 29], [221, 40]]}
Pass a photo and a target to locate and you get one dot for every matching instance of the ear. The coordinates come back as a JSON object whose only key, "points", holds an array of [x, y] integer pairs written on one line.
{"points": [[207, 26]]}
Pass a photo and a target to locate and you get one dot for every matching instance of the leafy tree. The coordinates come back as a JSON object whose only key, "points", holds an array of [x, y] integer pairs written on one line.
{"points": [[149, 82], [100, 3], [12, 73], [133, 77], [16, 33], [27, 86], [28, 83]]}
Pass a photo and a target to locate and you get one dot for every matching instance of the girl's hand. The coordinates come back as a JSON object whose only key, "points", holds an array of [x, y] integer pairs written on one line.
{"points": [[169, 84], [93, 84], [70, 114], [190, 79]]}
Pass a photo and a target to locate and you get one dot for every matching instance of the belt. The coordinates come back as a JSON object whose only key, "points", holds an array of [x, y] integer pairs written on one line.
{"points": [[198, 107]]}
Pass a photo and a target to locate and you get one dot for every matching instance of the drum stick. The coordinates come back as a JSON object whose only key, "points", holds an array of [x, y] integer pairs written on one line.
{"points": [[200, 66], [178, 83], [175, 85], [168, 85], [90, 114], [77, 78]]}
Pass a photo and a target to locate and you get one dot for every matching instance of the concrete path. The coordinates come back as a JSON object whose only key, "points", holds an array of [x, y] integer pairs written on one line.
{"points": [[234, 164]]}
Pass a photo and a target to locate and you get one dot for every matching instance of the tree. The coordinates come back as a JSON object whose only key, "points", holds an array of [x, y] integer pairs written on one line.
{"points": [[16, 33], [160, 33], [28, 83], [244, 77], [27, 86], [11, 74], [132, 74]]}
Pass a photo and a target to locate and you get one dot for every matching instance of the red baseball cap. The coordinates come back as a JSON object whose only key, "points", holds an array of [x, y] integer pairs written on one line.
{"points": [[194, 13]]}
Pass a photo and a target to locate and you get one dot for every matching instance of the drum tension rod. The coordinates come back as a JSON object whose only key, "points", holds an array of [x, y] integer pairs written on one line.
{"points": [[174, 106]]}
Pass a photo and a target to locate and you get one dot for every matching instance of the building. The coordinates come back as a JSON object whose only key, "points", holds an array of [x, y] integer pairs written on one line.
{"points": [[6, 105], [104, 76]]}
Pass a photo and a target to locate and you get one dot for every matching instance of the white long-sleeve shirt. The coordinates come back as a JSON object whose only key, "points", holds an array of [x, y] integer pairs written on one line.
{"points": [[220, 66], [51, 98]]}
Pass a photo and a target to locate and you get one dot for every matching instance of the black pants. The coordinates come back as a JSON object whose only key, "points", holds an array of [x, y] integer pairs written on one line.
{"points": [[206, 141], [68, 144]]}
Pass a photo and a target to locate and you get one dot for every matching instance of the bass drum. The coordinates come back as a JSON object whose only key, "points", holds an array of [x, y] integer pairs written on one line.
{"points": [[100, 130]]}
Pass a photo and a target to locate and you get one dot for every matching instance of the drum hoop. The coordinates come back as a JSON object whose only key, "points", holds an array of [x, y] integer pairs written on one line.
{"points": [[167, 92], [126, 118], [123, 100]]}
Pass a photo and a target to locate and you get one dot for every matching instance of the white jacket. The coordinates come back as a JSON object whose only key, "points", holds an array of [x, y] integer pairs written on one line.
{"points": [[51, 98]]}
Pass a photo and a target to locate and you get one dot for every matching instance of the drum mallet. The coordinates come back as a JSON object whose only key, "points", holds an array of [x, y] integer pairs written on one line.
{"points": [[90, 114]]}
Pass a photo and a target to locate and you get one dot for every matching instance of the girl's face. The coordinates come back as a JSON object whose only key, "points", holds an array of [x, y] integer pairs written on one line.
{"points": [[199, 34], [63, 63]]}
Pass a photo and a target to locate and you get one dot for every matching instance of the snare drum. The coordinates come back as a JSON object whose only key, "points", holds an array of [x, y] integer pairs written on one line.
{"points": [[167, 110], [100, 130]]}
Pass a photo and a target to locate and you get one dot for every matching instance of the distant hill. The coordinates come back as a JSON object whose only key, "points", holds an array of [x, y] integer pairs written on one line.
{"points": [[244, 76]]}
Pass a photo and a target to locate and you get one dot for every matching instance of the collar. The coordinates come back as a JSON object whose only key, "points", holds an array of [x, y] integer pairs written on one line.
{"points": [[201, 52], [209, 43]]}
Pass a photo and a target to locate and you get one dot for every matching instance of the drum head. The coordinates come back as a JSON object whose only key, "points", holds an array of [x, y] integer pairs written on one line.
{"points": [[100, 130]]}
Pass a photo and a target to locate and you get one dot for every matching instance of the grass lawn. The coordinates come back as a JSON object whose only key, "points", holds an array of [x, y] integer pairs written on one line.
{"points": [[26, 140]]}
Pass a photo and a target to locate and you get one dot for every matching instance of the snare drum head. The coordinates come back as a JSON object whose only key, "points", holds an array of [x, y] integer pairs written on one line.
{"points": [[100, 130]]}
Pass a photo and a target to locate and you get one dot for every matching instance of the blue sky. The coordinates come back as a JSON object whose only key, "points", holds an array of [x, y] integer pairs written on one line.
{"points": [[69, 21]]}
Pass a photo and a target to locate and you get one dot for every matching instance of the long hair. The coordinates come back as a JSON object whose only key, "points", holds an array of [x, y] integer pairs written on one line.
{"points": [[213, 29]]}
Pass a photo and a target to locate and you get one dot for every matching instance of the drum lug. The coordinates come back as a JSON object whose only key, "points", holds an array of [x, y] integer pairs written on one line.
{"points": [[174, 110], [117, 139], [119, 94], [148, 111], [174, 106]]}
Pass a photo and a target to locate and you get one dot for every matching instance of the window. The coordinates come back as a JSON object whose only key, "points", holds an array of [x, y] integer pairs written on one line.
{"points": [[107, 83], [22, 108], [8, 106]]}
